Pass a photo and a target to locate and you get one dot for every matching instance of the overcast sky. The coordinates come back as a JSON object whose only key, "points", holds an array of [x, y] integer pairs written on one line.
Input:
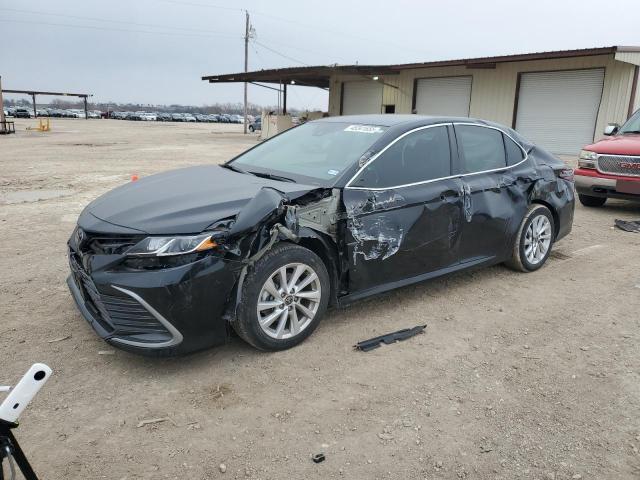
{"points": [[155, 51]]}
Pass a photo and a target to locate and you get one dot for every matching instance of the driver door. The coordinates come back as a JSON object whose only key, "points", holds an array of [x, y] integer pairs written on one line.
{"points": [[404, 213]]}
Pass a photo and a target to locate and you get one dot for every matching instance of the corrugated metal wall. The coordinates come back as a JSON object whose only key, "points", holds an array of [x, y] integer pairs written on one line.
{"points": [[494, 90]]}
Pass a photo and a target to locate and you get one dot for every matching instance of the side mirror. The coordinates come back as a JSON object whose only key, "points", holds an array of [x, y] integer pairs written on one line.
{"points": [[611, 129]]}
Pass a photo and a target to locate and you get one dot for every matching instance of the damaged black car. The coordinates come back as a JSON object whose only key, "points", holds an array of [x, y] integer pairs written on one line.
{"points": [[324, 214]]}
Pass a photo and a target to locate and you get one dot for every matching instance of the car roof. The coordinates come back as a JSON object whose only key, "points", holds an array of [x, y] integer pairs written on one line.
{"points": [[390, 120]]}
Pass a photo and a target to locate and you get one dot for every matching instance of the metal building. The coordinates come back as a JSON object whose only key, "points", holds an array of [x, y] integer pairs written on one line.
{"points": [[561, 100]]}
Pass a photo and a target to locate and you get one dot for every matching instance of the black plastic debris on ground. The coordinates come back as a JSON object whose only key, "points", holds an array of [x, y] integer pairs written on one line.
{"points": [[389, 338], [318, 457], [628, 226]]}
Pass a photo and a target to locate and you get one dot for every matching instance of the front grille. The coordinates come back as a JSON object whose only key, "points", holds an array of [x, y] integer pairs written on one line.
{"points": [[108, 245], [120, 316], [619, 165]]}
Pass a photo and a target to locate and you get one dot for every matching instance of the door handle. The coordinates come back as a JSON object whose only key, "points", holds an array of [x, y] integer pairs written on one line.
{"points": [[447, 195]]}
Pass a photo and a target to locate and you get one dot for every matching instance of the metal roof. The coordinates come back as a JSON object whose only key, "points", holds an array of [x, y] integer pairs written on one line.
{"points": [[318, 76]]}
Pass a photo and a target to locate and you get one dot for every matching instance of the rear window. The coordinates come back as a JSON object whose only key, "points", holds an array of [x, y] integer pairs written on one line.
{"points": [[483, 148], [514, 152]]}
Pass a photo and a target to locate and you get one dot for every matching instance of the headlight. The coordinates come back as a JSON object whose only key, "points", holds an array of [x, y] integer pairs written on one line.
{"points": [[165, 246], [587, 159]]}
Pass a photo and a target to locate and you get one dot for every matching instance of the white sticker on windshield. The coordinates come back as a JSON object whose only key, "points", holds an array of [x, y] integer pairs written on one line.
{"points": [[333, 172], [363, 129]]}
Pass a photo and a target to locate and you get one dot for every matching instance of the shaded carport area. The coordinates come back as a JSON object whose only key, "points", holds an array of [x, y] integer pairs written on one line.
{"points": [[34, 93], [312, 76]]}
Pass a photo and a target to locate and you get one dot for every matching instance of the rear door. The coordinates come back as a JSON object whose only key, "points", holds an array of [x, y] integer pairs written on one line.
{"points": [[488, 162], [404, 210]]}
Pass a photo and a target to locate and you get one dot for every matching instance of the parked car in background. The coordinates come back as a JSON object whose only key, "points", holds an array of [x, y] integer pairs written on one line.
{"points": [[76, 113], [187, 117], [94, 114], [177, 117], [326, 213], [256, 125], [21, 112], [164, 117], [610, 168], [213, 118], [11, 111], [41, 112]]}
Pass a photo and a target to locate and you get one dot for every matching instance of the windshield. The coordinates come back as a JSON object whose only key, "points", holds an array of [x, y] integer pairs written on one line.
{"points": [[317, 150], [632, 125]]}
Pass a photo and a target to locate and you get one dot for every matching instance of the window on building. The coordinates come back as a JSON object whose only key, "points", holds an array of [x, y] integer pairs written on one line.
{"points": [[419, 156]]}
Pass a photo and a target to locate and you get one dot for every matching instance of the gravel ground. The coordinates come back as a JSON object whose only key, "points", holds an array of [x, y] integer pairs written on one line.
{"points": [[530, 376]]}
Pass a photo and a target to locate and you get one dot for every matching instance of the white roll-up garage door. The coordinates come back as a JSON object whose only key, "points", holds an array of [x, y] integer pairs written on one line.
{"points": [[361, 97], [558, 110], [449, 96]]}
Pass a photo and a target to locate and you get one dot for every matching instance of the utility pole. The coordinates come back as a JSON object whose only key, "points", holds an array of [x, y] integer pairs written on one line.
{"points": [[2, 119], [246, 64]]}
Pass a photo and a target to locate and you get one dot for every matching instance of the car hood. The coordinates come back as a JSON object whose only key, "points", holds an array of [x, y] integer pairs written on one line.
{"points": [[628, 144], [187, 200]]}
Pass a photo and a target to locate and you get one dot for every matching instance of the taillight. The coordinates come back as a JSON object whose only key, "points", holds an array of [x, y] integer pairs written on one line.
{"points": [[566, 174]]}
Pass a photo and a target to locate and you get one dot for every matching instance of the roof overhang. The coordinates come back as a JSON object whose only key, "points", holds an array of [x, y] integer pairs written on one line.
{"points": [[319, 76]]}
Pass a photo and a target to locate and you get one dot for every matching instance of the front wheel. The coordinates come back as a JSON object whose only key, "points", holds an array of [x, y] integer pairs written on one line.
{"points": [[283, 298], [251, 129], [589, 201], [534, 240]]}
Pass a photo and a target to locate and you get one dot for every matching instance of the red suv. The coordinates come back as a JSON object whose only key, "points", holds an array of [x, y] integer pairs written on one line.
{"points": [[610, 168]]}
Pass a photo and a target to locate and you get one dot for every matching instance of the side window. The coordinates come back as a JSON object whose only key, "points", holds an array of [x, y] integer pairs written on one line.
{"points": [[420, 156], [514, 152], [483, 148]]}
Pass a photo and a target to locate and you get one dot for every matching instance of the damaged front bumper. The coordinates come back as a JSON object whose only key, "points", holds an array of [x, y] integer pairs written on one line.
{"points": [[157, 312]]}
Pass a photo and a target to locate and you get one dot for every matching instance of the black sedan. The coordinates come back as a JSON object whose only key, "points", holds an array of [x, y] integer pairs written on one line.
{"points": [[321, 215]]}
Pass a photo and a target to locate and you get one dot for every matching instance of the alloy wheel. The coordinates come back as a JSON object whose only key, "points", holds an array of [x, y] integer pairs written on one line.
{"points": [[289, 300], [537, 240]]}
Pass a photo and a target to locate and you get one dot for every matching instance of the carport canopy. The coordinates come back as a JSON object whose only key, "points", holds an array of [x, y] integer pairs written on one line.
{"points": [[311, 76]]}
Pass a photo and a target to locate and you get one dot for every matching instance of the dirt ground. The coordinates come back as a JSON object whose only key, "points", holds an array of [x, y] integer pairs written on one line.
{"points": [[532, 376]]}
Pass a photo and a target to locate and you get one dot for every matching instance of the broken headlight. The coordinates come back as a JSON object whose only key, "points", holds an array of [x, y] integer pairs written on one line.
{"points": [[167, 246], [587, 159]]}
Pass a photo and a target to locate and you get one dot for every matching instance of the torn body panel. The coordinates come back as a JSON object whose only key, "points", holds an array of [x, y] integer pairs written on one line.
{"points": [[393, 235]]}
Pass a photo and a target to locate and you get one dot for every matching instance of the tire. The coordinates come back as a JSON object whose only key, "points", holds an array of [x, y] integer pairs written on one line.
{"points": [[520, 259], [278, 314], [251, 129], [589, 201]]}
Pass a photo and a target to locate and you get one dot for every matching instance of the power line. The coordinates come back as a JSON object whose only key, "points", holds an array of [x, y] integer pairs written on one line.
{"points": [[76, 17], [281, 54], [205, 5], [292, 47], [212, 34], [299, 24], [333, 31]]}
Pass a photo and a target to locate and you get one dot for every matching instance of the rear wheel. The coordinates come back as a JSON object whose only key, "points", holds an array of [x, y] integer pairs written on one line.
{"points": [[283, 298], [251, 129], [534, 240], [589, 201]]}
